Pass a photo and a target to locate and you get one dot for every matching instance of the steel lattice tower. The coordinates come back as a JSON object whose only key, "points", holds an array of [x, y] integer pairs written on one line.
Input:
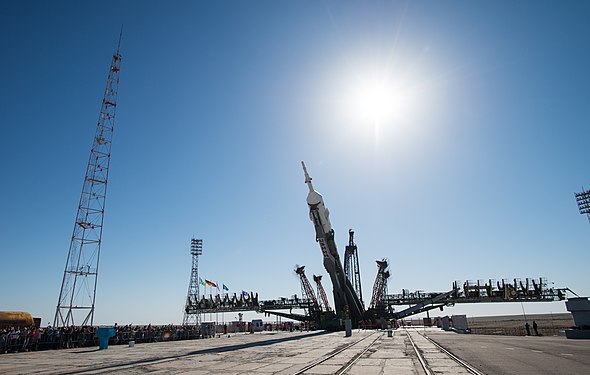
{"points": [[191, 316], [325, 304], [380, 285], [306, 289], [351, 265], [78, 289]]}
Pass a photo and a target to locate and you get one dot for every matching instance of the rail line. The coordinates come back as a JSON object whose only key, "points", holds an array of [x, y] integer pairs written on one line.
{"points": [[349, 364], [424, 363]]}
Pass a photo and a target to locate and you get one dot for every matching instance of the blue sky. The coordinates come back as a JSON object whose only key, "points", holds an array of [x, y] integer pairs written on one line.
{"points": [[469, 172]]}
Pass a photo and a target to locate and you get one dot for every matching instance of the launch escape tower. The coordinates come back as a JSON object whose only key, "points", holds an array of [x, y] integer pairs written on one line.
{"points": [[78, 289], [192, 316], [351, 265]]}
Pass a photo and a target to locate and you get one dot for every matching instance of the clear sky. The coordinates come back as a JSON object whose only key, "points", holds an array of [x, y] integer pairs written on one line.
{"points": [[451, 136]]}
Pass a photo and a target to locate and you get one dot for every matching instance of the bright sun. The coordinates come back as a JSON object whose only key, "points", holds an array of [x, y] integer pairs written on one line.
{"points": [[378, 99], [373, 100]]}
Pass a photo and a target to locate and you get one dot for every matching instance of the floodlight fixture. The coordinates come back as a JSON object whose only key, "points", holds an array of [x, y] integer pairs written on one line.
{"points": [[196, 247], [583, 200]]}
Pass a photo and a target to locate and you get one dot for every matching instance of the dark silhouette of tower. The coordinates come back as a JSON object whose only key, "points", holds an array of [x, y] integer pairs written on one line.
{"points": [[380, 285], [78, 289], [351, 265]]}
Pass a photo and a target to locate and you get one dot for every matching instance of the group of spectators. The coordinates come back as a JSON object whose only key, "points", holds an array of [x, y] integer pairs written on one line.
{"points": [[18, 339]]}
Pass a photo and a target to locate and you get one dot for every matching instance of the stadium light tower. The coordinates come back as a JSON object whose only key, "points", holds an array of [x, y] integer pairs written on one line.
{"points": [[583, 200], [191, 315]]}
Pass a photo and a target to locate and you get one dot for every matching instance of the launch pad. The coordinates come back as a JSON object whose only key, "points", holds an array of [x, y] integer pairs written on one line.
{"points": [[346, 288]]}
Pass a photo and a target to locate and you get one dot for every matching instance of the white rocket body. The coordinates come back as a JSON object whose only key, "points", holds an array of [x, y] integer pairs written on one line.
{"points": [[344, 296]]}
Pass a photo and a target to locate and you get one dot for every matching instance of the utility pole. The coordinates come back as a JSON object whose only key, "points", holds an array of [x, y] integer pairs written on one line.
{"points": [[77, 296], [191, 316]]}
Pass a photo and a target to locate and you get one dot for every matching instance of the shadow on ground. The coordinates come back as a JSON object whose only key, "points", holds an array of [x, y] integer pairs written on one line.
{"points": [[219, 349]]}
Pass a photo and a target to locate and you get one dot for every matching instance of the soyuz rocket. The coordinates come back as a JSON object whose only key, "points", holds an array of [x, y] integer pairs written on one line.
{"points": [[345, 298]]}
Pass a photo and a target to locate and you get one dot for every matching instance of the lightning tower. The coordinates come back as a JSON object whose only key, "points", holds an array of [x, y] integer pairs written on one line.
{"points": [[78, 289], [191, 315]]}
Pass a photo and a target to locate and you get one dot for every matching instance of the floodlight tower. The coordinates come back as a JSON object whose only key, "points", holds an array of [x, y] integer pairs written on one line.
{"points": [[191, 316], [583, 200], [78, 289]]}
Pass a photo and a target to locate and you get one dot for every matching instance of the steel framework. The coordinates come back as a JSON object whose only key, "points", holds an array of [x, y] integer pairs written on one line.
{"points": [[380, 285], [192, 316], [351, 265], [306, 289], [78, 289], [325, 304]]}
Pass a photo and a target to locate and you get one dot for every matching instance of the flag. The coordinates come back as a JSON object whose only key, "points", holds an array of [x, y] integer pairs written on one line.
{"points": [[210, 283], [201, 281], [225, 287], [245, 294]]}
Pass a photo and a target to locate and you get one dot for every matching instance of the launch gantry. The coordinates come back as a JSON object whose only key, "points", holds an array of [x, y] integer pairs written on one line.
{"points": [[324, 303], [380, 285], [351, 266]]}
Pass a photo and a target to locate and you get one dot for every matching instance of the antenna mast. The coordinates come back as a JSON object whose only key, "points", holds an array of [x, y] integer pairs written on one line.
{"points": [[78, 289]]}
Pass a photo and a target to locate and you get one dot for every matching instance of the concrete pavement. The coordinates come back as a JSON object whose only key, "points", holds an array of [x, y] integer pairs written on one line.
{"points": [[365, 353]]}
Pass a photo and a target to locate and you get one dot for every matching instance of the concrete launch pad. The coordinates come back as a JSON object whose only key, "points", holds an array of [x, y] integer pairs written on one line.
{"points": [[366, 352]]}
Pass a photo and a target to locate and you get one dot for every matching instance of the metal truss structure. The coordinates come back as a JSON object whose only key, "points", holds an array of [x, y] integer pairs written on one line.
{"points": [[530, 290], [351, 265], [192, 317], [219, 304], [380, 285], [307, 290], [325, 304], [77, 296]]}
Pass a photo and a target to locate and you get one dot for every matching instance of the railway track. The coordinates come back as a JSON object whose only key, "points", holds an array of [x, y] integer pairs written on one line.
{"points": [[426, 366], [352, 346]]}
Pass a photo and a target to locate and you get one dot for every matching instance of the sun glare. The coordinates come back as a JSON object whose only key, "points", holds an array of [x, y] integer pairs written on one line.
{"points": [[378, 99], [373, 100]]}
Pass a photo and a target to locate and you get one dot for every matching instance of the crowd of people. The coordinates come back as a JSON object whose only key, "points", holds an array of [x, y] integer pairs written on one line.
{"points": [[18, 339]]}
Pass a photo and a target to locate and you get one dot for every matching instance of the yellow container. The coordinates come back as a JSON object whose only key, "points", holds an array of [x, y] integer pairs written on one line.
{"points": [[15, 319]]}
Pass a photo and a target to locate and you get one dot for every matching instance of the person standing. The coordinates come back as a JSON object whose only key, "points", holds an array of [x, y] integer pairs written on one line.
{"points": [[527, 326], [535, 328]]}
